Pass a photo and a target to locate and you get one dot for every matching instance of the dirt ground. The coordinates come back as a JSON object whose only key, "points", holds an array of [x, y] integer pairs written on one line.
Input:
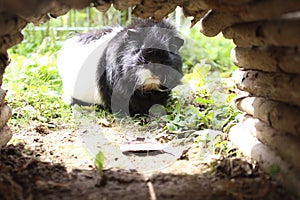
{"points": [[44, 164]]}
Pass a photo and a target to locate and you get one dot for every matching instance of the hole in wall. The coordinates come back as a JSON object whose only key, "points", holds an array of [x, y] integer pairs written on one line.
{"points": [[35, 87]]}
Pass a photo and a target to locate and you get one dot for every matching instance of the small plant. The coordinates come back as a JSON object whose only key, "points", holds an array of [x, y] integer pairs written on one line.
{"points": [[99, 161], [199, 103]]}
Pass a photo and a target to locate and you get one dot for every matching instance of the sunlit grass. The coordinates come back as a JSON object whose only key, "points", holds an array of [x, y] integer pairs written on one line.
{"points": [[35, 88]]}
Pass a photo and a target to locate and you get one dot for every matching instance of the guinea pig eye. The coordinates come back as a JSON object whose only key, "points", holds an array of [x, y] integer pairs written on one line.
{"points": [[136, 51], [173, 48], [176, 43]]}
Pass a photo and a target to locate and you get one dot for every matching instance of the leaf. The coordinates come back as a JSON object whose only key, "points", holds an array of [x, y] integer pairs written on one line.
{"points": [[99, 161], [178, 107], [273, 170], [202, 101], [172, 128], [198, 113], [167, 118], [104, 122], [43, 88]]}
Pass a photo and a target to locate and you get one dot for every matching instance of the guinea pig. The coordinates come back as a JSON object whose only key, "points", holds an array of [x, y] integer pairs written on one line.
{"points": [[126, 69]]}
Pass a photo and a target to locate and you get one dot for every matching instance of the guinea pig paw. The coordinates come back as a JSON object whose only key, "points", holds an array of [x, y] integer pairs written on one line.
{"points": [[151, 83], [149, 87], [154, 86]]}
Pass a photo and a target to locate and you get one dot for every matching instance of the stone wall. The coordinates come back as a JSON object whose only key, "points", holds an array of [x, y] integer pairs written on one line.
{"points": [[267, 53], [266, 34]]}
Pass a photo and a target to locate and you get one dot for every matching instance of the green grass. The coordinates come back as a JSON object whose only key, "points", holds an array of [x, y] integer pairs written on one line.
{"points": [[206, 100], [213, 51], [34, 86]]}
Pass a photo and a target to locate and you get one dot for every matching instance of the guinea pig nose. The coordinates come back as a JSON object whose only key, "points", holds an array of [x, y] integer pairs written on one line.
{"points": [[154, 77]]}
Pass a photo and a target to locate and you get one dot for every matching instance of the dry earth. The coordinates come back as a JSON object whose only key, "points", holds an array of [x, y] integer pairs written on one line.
{"points": [[40, 163]]}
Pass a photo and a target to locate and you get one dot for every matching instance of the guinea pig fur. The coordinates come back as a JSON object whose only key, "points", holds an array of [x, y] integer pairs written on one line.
{"points": [[126, 69]]}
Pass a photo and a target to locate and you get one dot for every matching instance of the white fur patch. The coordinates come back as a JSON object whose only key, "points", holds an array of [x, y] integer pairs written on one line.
{"points": [[77, 66], [147, 79]]}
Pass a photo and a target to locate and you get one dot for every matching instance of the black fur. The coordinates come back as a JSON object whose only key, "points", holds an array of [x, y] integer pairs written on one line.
{"points": [[92, 35], [144, 44]]}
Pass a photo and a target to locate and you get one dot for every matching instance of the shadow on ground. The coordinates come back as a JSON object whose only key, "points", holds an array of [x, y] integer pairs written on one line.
{"points": [[23, 176]]}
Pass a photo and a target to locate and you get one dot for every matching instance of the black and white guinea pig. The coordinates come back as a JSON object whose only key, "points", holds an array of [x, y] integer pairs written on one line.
{"points": [[127, 69]]}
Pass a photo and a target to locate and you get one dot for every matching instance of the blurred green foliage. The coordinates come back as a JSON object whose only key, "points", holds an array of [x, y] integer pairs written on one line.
{"points": [[214, 51]]}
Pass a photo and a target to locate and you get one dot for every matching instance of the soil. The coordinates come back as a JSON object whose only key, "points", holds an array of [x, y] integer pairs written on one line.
{"points": [[40, 163]]}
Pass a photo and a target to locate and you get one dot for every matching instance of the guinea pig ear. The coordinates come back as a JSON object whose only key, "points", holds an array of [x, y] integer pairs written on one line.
{"points": [[131, 33], [178, 42]]}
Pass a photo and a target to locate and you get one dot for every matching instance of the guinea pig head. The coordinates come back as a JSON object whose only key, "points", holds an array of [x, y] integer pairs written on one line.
{"points": [[157, 64]]}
